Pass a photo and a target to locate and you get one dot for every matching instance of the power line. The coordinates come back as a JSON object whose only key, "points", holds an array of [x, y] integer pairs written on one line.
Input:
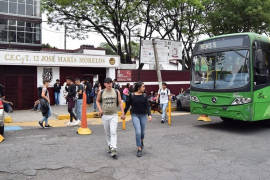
{"points": [[51, 30]]}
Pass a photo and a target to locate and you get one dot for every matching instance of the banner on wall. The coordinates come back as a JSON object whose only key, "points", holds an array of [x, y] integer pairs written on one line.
{"points": [[29, 58], [124, 75]]}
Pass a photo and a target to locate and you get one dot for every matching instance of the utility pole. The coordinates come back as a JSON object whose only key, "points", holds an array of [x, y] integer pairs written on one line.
{"points": [[65, 38], [157, 63]]}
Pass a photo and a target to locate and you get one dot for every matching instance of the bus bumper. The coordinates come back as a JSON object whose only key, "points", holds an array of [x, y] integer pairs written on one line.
{"points": [[239, 112]]}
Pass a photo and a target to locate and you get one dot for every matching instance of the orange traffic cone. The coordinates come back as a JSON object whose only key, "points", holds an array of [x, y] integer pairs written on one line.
{"points": [[1, 138], [124, 121], [84, 130]]}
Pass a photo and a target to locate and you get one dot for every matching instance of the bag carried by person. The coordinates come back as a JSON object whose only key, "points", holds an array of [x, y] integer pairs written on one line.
{"points": [[44, 107]]}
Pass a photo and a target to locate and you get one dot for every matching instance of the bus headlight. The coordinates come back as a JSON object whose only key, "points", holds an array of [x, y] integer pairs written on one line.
{"points": [[194, 99], [241, 100]]}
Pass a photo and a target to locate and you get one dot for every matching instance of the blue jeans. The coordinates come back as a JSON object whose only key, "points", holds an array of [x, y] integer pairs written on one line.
{"points": [[45, 118], [78, 108], [124, 98], [163, 108], [56, 97], [139, 123]]}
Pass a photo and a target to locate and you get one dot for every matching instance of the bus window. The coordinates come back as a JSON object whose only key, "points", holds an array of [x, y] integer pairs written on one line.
{"points": [[261, 64]]}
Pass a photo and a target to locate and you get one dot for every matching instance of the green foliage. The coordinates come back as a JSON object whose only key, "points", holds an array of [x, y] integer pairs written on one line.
{"points": [[233, 16], [47, 46], [120, 22], [107, 47]]}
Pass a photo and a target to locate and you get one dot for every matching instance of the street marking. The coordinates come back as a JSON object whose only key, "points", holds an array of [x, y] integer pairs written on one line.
{"points": [[12, 128], [61, 123]]}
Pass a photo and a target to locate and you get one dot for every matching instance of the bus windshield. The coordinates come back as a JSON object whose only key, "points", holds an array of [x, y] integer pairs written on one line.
{"points": [[221, 70]]}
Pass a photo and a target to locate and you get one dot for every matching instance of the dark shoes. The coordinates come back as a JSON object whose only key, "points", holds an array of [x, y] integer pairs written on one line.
{"points": [[48, 126], [41, 124], [162, 122], [114, 154], [109, 151], [142, 145], [139, 153]]}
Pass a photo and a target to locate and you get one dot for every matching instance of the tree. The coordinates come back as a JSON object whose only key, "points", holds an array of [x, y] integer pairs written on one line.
{"points": [[47, 46], [181, 20], [235, 16], [108, 48], [115, 20]]}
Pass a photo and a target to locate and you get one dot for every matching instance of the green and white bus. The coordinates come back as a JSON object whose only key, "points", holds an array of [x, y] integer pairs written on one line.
{"points": [[231, 77]]}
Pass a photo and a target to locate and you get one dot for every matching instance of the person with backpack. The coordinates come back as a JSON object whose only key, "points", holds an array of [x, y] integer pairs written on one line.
{"points": [[96, 89], [88, 90], [71, 100], [140, 109], [126, 92], [164, 95], [79, 99], [108, 101], [44, 104], [116, 85]]}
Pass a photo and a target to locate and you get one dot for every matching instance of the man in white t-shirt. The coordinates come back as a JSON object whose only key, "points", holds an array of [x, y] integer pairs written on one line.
{"points": [[164, 96]]}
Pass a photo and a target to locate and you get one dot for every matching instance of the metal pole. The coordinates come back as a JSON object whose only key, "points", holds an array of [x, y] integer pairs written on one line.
{"points": [[139, 69], [65, 39], [157, 64]]}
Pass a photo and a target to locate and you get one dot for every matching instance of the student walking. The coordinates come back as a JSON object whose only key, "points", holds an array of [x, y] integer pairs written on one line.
{"points": [[116, 85], [71, 90], [108, 101], [79, 99], [164, 94], [45, 105], [57, 88], [126, 92], [97, 88], [140, 109]]}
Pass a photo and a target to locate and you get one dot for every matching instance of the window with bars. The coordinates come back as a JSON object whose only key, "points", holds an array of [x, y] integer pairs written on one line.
{"points": [[17, 31], [21, 7]]}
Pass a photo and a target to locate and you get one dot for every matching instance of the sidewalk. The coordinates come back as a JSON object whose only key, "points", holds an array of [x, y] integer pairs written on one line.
{"points": [[30, 115], [61, 110]]}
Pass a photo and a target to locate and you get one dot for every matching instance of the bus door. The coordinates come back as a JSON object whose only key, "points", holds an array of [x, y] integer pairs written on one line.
{"points": [[261, 72]]}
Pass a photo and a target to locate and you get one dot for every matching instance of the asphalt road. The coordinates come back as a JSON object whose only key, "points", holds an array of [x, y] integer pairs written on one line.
{"points": [[188, 150]]}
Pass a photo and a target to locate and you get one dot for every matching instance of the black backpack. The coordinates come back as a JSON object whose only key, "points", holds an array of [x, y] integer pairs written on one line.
{"points": [[40, 92], [116, 91]]}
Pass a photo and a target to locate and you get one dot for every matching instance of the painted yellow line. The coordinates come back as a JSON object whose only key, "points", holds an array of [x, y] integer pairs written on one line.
{"points": [[95, 114], [63, 123], [89, 115]]}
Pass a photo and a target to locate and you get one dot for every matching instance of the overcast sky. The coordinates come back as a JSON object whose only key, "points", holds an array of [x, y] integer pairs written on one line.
{"points": [[55, 37]]}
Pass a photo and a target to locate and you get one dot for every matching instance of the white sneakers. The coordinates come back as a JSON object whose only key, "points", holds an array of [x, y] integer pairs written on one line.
{"points": [[74, 123]]}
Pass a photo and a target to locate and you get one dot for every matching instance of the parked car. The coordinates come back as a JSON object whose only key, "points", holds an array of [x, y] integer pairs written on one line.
{"points": [[183, 101], [2, 117]]}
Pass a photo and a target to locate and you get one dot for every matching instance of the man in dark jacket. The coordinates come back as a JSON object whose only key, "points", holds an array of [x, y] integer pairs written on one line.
{"points": [[57, 88], [71, 99]]}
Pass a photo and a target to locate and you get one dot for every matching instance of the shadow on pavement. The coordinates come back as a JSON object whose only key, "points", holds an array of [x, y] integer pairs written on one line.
{"points": [[239, 127]]}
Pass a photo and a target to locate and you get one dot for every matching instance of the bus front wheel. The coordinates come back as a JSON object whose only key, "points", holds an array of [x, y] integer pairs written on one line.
{"points": [[226, 120]]}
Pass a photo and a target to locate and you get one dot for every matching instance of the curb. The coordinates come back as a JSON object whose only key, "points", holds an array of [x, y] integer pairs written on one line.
{"points": [[95, 114]]}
